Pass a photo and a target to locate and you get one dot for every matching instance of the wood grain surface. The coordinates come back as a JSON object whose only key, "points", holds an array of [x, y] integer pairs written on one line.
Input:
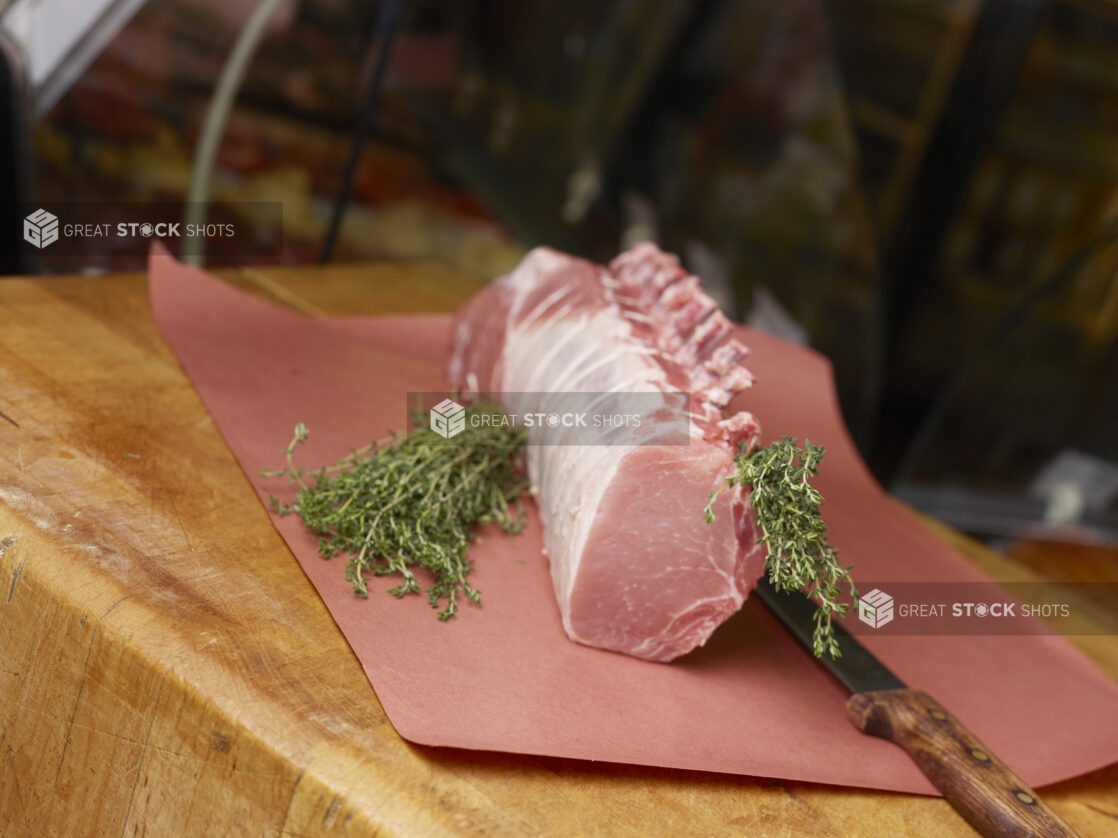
{"points": [[167, 669]]}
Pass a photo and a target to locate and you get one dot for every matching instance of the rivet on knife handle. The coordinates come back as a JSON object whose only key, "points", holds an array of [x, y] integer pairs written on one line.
{"points": [[982, 789]]}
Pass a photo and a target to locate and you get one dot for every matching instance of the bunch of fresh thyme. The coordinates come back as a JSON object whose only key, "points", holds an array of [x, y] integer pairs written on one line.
{"points": [[787, 508], [412, 501]]}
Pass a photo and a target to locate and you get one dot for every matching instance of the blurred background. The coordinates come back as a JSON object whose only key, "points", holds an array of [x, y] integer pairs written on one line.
{"points": [[924, 190]]}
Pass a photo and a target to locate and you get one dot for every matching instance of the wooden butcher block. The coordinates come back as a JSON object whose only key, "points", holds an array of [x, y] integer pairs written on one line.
{"points": [[167, 669]]}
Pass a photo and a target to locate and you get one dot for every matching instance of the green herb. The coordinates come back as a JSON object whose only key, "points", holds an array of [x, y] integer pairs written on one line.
{"points": [[787, 508], [412, 502]]}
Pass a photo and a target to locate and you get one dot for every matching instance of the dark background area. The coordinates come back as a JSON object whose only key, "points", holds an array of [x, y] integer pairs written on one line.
{"points": [[924, 190]]}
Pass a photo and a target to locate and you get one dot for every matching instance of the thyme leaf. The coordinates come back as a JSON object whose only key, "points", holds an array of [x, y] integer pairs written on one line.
{"points": [[412, 501], [787, 507]]}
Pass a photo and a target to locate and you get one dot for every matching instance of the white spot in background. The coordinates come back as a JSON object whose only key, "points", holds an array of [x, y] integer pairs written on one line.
{"points": [[1092, 479]]}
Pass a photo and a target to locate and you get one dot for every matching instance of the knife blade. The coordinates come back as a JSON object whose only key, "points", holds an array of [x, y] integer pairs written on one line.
{"points": [[980, 787]]}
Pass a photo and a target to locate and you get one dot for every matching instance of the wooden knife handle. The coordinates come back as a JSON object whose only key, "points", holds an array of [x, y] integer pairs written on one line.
{"points": [[982, 789]]}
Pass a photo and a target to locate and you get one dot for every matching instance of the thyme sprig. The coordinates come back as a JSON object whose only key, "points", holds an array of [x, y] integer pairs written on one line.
{"points": [[412, 501], [787, 508]]}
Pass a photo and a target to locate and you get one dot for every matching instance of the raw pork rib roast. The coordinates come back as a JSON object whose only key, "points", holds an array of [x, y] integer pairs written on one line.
{"points": [[636, 567]]}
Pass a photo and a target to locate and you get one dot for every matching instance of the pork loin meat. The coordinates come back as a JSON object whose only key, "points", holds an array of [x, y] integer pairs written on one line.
{"points": [[636, 568]]}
